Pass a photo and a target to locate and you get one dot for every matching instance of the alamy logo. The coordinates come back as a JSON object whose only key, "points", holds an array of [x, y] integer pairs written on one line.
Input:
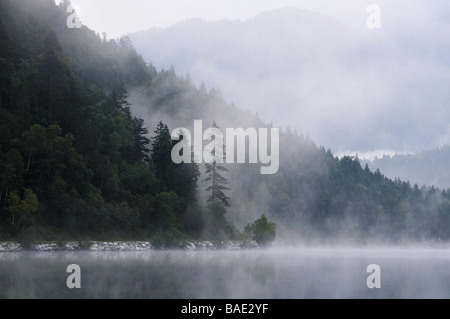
{"points": [[374, 279], [374, 19], [73, 20], [259, 148], [74, 280]]}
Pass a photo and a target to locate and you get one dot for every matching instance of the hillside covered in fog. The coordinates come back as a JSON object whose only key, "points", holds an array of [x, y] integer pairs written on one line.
{"points": [[424, 168], [85, 153], [351, 89]]}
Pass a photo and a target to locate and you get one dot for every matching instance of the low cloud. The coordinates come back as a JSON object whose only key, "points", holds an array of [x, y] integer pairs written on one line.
{"points": [[348, 88]]}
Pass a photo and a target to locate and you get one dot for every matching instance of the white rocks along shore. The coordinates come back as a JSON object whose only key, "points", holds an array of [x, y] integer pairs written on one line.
{"points": [[127, 246]]}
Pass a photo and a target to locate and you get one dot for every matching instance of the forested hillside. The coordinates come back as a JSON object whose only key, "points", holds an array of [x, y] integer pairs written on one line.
{"points": [[310, 71], [74, 160], [85, 153]]}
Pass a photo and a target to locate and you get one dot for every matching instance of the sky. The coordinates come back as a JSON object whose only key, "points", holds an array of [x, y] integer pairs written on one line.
{"points": [[407, 78], [118, 17]]}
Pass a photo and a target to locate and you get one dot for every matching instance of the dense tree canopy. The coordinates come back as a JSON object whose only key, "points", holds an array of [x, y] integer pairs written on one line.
{"points": [[75, 161]]}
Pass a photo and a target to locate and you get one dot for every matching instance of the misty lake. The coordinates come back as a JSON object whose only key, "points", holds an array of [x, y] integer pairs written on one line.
{"points": [[288, 273]]}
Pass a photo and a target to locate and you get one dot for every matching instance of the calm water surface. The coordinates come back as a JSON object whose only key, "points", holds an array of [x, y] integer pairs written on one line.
{"points": [[274, 273]]}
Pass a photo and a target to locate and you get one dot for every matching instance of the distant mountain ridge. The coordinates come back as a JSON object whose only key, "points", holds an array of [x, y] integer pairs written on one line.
{"points": [[76, 158], [424, 168], [187, 44], [313, 73]]}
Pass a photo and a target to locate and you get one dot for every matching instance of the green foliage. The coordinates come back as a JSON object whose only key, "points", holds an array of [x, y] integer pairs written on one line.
{"points": [[216, 180], [262, 231], [184, 177], [11, 171], [217, 225], [163, 240], [22, 209], [68, 136], [180, 178], [167, 212], [161, 152], [85, 243], [218, 183], [193, 221], [158, 241], [27, 239]]}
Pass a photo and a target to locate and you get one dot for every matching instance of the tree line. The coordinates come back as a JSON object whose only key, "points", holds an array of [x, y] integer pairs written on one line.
{"points": [[76, 162]]}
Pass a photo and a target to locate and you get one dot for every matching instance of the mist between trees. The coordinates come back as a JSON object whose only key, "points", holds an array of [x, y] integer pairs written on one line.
{"points": [[85, 152]]}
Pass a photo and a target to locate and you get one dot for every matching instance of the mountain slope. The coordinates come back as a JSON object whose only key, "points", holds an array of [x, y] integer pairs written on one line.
{"points": [[424, 168], [75, 160], [314, 74]]}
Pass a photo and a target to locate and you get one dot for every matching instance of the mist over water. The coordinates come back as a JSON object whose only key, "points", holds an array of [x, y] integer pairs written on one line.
{"points": [[287, 273], [77, 164]]}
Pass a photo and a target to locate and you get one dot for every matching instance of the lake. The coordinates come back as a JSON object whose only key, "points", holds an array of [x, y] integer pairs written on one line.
{"points": [[291, 273]]}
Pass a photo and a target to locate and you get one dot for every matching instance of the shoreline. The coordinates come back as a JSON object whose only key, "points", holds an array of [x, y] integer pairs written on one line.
{"points": [[194, 245], [127, 246]]}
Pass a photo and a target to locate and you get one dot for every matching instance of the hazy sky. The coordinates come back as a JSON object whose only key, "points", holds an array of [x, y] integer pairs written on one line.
{"points": [[419, 32], [118, 17]]}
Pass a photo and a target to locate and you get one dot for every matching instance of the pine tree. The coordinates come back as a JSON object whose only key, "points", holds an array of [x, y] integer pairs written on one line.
{"points": [[180, 178], [216, 180], [141, 140], [161, 152], [6, 66], [184, 177]]}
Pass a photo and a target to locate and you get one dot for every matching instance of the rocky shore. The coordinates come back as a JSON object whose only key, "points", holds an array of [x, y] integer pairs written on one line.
{"points": [[128, 246]]}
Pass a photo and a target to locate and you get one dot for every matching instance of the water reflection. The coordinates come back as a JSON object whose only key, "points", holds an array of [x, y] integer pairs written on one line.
{"points": [[277, 273]]}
